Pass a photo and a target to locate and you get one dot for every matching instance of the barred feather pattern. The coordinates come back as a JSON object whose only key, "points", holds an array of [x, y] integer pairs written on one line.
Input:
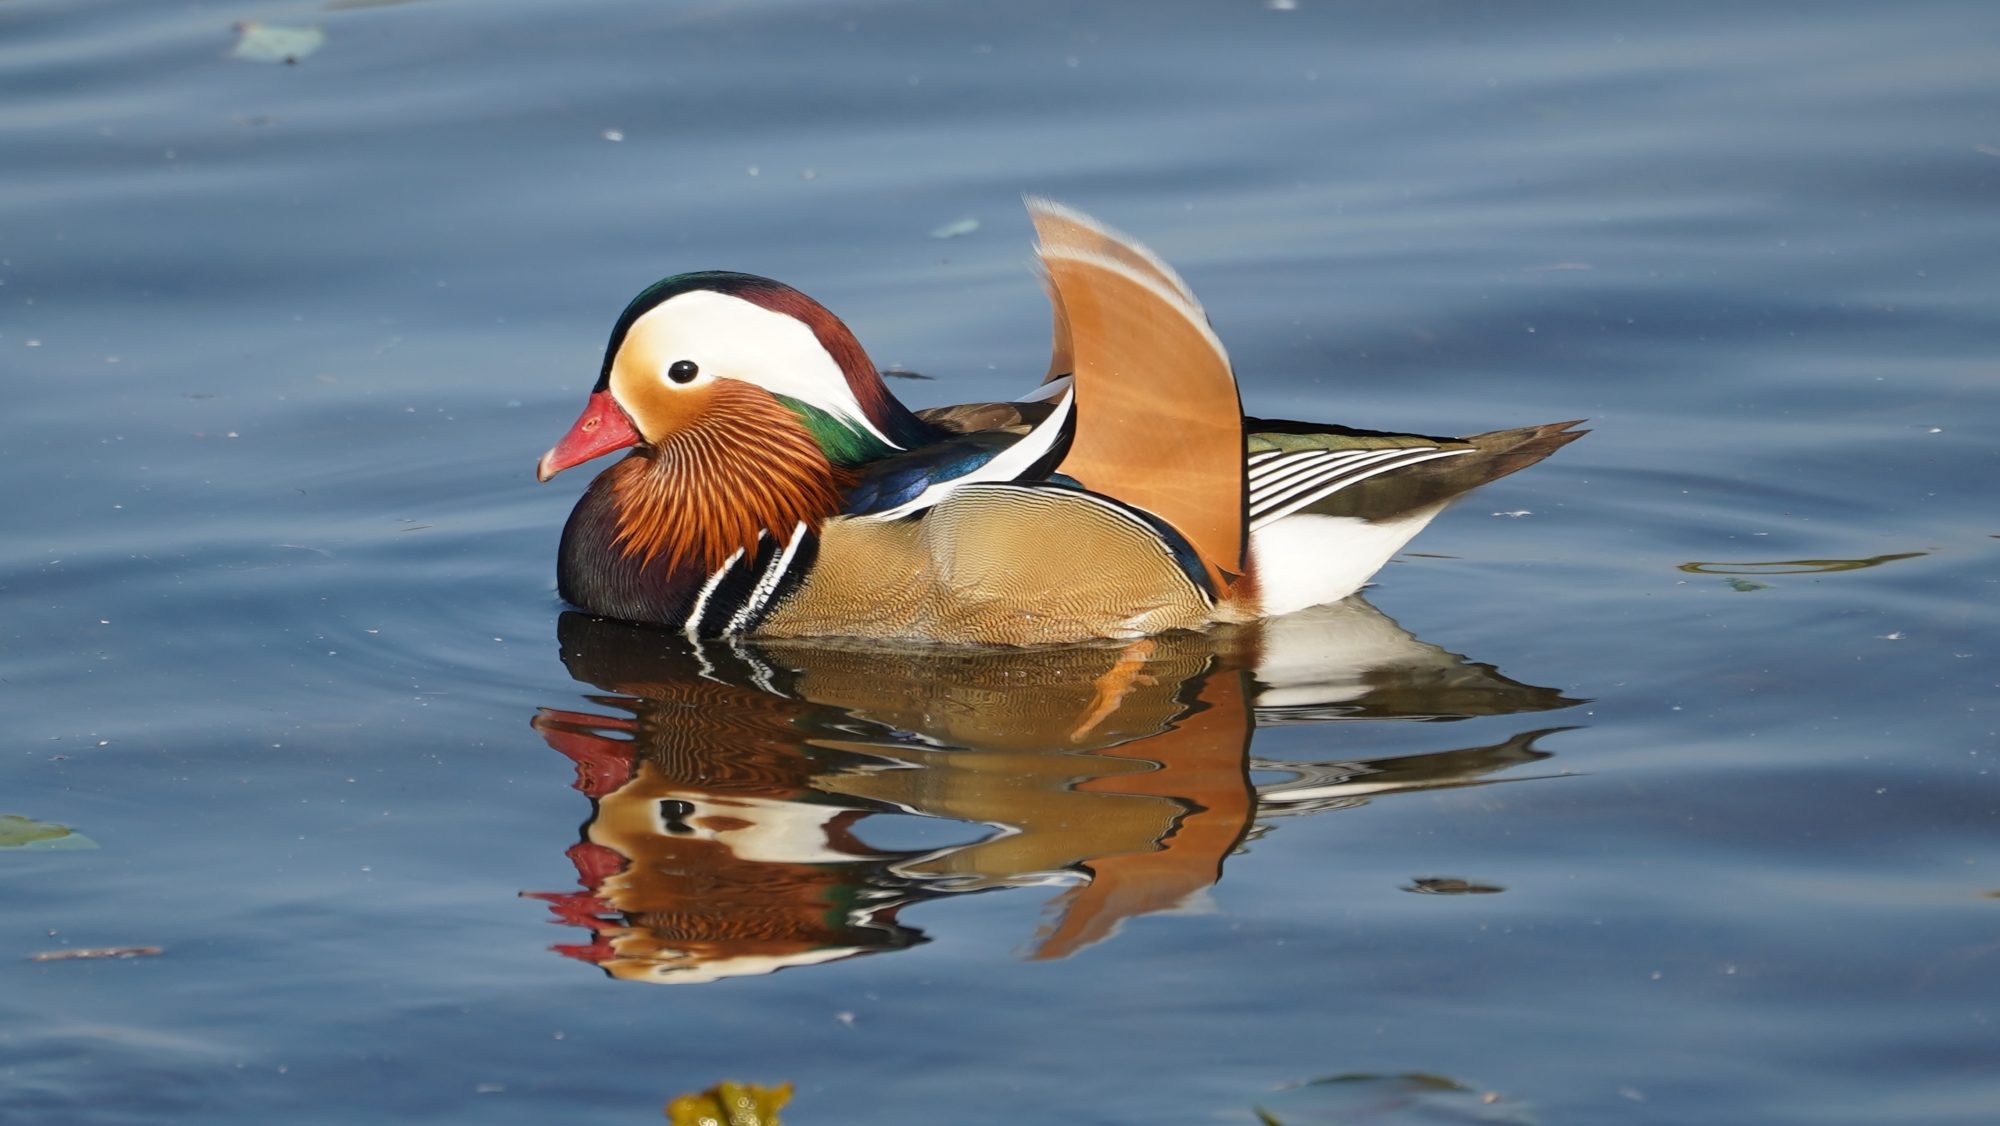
{"points": [[745, 466]]}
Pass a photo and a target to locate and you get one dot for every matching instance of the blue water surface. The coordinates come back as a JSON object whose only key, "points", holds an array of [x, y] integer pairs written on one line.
{"points": [[1655, 786]]}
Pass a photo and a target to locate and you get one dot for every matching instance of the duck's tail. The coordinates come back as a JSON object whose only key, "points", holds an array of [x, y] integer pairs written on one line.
{"points": [[1328, 506]]}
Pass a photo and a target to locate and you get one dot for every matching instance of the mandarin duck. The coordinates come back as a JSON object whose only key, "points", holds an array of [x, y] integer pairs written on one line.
{"points": [[775, 487]]}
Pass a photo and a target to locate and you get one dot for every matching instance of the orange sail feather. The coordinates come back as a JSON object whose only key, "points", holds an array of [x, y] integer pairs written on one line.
{"points": [[1159, 425]]}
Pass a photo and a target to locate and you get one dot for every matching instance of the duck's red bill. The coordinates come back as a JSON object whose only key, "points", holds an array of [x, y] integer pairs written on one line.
{"points": [[600, 429]]}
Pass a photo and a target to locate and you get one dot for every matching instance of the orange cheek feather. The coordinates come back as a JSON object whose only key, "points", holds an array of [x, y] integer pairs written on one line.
{"points": [[737, 463]]}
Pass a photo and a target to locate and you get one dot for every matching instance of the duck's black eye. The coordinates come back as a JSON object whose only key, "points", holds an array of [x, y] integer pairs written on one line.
{"points": [[683, 371]]}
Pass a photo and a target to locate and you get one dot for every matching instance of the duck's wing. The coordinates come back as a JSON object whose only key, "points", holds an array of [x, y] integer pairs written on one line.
{"points": [[1006, 451], [967, 418], [1158, 422]]}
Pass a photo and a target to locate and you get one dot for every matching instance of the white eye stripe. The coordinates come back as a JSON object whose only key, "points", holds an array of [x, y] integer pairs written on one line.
{"points": [[729, 338]]}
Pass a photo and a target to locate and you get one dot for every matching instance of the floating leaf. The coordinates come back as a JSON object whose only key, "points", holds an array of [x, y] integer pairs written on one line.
{"points": [[1745, 586], [1410, 1099], [1796, 566], [955, 228], [731, 1104], [264, 43], [17, 831], [1450, 885], [83, 953]]}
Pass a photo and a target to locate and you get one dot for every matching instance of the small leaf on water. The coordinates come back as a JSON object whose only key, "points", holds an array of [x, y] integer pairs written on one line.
{"points": [[1450, 885], [17, 831], [955, 229], [83, 953], [263, 43], [1797, 566], [730, 1104], [1745, 585], [1413, 1098]]}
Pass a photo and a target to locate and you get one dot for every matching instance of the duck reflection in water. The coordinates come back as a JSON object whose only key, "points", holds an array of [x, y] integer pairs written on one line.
{"points": [[730, 780]]}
